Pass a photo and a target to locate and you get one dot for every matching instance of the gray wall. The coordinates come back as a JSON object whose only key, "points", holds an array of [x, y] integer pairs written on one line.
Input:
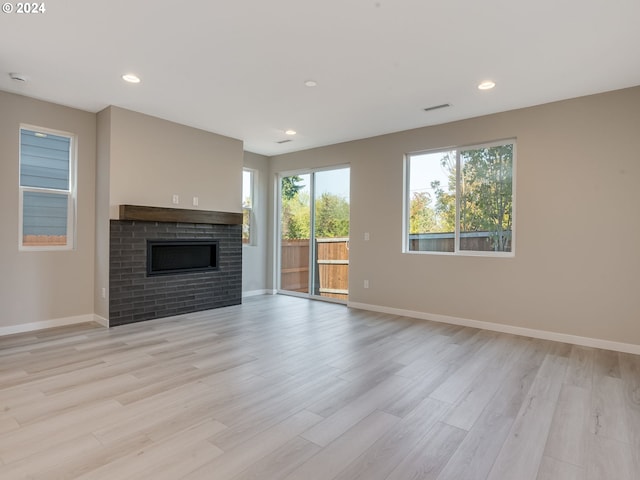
{"points": [[576, 263], [254, 257], [577, 225], [152, 159], [40, 286], [101, 273], [123, 157], [144, 160]]}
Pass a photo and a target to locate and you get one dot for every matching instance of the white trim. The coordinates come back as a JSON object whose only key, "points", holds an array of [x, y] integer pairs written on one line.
{"points": [[57, 322], [253, 179], [311, 172], [255, 293], [101, 320], [71, 192], [458, 252], [499, 327]]}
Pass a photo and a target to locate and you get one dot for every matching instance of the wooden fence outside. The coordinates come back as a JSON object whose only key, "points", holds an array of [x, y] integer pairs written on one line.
{"points": [[294, 265], [332, 272], [44, 240], [445, 242]]}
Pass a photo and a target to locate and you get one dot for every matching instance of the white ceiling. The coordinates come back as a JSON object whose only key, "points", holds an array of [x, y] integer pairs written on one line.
{"points": [[238, 68]]}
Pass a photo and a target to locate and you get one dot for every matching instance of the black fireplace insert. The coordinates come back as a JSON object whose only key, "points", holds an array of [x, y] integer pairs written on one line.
{"points": [[166, 257]]}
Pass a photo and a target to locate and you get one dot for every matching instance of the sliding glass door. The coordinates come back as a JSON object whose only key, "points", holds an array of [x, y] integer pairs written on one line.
{"points": [[295, 232], [314, 233]]}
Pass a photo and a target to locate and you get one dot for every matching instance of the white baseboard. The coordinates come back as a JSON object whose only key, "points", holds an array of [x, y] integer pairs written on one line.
{"points": [[255, 293], [502, 328], [57, 322], [101, 320]]}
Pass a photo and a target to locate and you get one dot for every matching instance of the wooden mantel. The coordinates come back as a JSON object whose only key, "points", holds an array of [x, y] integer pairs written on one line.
{"points": [[181, 215]]}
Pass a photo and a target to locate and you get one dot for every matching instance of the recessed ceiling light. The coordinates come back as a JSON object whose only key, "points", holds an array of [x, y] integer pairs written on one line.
{"points": [[486, 85], [311, 83], [290, 132], [131, 78]]}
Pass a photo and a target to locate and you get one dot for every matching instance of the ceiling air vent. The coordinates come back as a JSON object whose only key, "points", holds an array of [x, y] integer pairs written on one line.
{"points": [[437, 107], [283, 141], [19, 77]]}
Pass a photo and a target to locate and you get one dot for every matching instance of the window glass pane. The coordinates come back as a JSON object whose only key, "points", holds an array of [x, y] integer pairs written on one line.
{"points": [[295, 228], [247, 189], [247, 205], [246, 225], [486, 199], [332, 203], [44, 221], [44, 160], [432, 201]]}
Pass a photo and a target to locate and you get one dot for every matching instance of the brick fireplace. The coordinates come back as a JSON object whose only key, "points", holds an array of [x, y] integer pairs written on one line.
{"points": [[135, 295]]}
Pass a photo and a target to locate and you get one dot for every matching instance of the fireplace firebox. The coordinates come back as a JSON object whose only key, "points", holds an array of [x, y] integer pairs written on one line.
{"points": [[166, 257]]}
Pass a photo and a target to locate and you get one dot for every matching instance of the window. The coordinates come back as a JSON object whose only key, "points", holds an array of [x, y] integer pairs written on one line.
{"points": [[47, 189], [461, 200], [247, 207]]}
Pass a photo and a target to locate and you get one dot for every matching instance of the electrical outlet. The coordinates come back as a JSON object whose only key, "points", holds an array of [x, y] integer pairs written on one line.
{"points": [[104, 292], [366, 236], [366, 284], [176, 199], [195, 201]]}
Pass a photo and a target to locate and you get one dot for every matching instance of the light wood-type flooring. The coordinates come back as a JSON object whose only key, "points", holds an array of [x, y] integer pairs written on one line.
{"points": [[286, 388]]}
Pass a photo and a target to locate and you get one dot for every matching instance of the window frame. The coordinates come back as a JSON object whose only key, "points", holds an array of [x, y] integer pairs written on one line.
{"points": [[71, 192], [457, 251], [251, 242]]}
